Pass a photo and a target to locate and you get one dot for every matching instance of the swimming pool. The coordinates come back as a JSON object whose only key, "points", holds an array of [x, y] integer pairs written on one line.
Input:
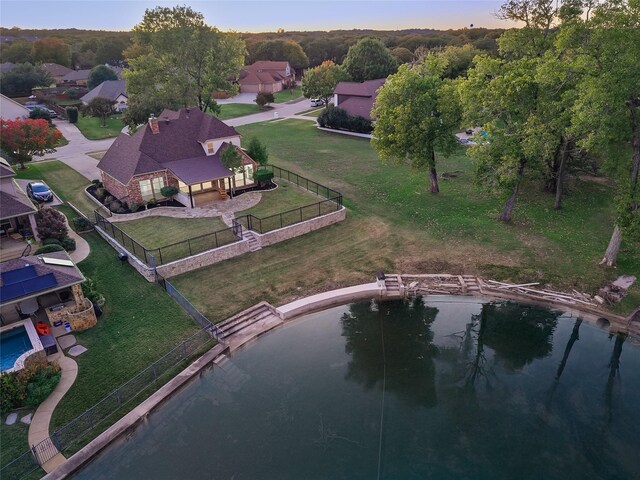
{"points": [[13, 343], [441, 389]]}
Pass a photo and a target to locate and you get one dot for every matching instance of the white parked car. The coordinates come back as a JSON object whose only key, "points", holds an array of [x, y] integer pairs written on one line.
{"points": [[317, 102]]}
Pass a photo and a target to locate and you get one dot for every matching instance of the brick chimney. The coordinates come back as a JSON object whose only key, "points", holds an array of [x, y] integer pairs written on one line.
{"points": [[153, 123]]}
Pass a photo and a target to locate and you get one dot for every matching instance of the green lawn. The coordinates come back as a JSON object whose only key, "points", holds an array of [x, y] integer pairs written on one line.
{"points": [[14, 438], [140, 323], [286, 197], [315, 112], [68, 184], [166, 232], [395, 224], [233, 110], [92, 129], [286, 95]]}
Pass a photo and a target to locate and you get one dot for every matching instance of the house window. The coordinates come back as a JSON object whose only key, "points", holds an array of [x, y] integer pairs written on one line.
{"points": [[146, 192], [158, 183], [210, 150]]}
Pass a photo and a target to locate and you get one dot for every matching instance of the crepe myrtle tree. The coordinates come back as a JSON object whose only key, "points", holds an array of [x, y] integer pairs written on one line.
{"points": [[22, 139]]}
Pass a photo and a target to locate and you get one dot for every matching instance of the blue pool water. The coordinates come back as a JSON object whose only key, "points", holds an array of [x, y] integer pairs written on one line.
{"points": [[13, 343]]}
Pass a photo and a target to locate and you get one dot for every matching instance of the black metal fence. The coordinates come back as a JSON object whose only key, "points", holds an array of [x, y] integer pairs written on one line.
{"points": [[203, 321], [304, 182], [175, 251], [290, 217], [79, 429]]}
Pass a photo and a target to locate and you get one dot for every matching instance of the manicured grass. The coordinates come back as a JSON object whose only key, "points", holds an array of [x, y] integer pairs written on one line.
{"points": [[314, 112], [395, 224], [92, 129], [14, 438], [68, 184], [233, 110], [65, 103], [63, 141], [287, 196], [286, 95], [140, 323]]}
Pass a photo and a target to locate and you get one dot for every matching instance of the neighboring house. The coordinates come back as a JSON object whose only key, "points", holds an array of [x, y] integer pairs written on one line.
{"points": [[11, 110], [57, 71], [39, 295], [266, 76], [114, 90], [75, 78], [6, 67], [180, 149], [17, 214], [357, 98]]}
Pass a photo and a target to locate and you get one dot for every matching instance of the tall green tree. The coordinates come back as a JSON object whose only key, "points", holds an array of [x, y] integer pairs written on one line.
{"points": [[110, 50], [18, 51], [321, 81], [179, 61], [282, 50], [417, 112], [369, 59], [51, 49], [101, 108], [258, 151], [22, 78], [607, 110], [99, 74], [232, 159]]}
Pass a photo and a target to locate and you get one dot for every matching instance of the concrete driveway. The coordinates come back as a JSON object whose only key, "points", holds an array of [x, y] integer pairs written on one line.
{"points": [[240, 98], [23, 184]]}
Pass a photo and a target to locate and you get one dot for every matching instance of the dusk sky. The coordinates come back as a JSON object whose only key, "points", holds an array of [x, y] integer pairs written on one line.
{"points": [[258, 15]]}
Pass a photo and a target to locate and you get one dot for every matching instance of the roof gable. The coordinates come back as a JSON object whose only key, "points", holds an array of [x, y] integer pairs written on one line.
{"points": [[110, 89], [359, 89]]}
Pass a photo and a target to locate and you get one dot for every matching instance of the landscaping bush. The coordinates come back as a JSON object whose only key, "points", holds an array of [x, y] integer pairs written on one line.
{"points": [[90, 292], [264, 98], [73, 93], [262, 177], [40, 113], [339, 119], [29, 386], [49, 249], [51, 241], [115, 205], [100, 193], [169, 192], [108, 199], [72, 114], [96, 182], [134, 207], [69, 244], [151, 202], [51, 224], [82, 224]]}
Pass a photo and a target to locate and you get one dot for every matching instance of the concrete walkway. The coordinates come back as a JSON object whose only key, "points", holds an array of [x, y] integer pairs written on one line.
{"points": [[82, 250], [39, 428]]}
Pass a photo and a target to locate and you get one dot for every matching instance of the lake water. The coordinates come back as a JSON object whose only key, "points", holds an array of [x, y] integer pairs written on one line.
{"points": [[451, 388]]}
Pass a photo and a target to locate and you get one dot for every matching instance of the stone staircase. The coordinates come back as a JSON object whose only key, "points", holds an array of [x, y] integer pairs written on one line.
{"points": [[471, 281], [392, 284], [245, 319], [248, 235]]}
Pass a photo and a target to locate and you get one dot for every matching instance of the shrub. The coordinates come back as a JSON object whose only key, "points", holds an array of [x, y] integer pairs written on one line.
{"points": [[40, 113], [100, 193], [108, 199], [115, 205], [90, 292], [69, 244], [96, 182], [169, 192], [29, 386], [152, 202], [261, 177], [72, 114], [51, 224], [73, 93], [49, 249], [264, 98], [338, 118], [122, 210], [51, 241], [134, 207], [82, 223]]}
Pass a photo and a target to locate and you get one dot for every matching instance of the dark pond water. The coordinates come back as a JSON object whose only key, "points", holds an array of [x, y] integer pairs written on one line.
{"points": [[447, 389]]}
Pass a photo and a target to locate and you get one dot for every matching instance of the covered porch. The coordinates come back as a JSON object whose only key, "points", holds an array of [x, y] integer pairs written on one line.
{"points": [[209, 191], [15, 233]]}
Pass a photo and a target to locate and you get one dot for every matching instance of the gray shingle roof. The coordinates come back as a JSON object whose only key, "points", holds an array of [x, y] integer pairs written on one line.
{"points": [[76, 75], [11, 206], [110, 89], [180, 138]]}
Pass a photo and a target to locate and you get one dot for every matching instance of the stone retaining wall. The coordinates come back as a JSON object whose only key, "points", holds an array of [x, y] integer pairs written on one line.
{"points": [[281, 234], [203, 259]]}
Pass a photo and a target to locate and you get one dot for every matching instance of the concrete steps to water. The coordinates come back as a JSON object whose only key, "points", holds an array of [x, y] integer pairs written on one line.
{"points": [[232, 376], [245, 318], [472, 284]]}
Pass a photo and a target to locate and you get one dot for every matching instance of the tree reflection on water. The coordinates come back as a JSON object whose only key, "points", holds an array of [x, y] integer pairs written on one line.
{"points": [[405, 328]]}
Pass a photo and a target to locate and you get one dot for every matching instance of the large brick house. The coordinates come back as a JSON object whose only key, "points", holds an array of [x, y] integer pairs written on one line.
{"points": [[181, 149], [357, 98], [266, 76]]}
